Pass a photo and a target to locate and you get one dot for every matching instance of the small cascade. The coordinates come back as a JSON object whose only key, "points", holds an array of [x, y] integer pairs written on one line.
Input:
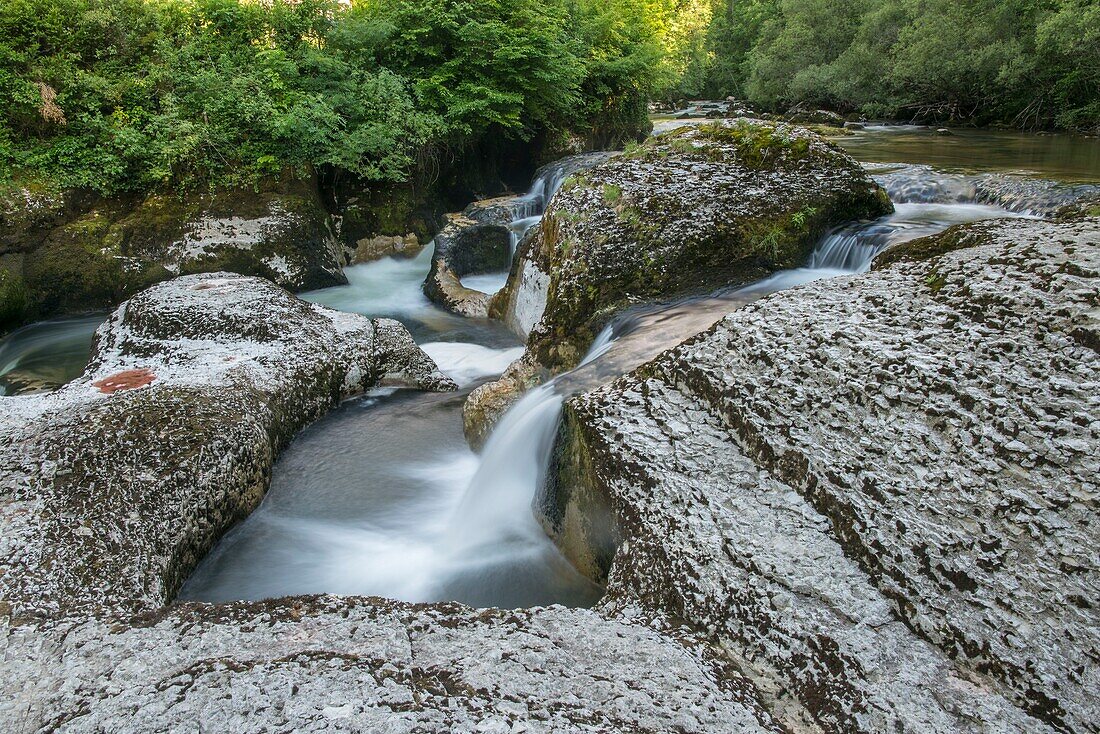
{"points": [[921, 184], [548, 181], [410, 512], [532, 204], [520, 227], [524, 213], [496, 507], [852, 249]]}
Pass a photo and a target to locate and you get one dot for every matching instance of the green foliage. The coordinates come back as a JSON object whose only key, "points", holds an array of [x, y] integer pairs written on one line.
{"points": [[800, 218], [133, 95], [622, 57], [1031, 63]]}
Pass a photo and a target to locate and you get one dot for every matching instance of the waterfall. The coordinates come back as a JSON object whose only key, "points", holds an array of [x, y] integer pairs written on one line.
{"points": [[497, 504], [520, 227], [851, 249], [533, 204]]}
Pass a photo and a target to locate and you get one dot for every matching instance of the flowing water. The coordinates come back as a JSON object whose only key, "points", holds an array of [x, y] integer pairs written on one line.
{"points": [[1063, 157], [46, 355], [383, 496]]}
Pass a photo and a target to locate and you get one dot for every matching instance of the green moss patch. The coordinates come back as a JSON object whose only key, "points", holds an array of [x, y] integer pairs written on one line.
{"points": [[758, 145], [958, 237]]}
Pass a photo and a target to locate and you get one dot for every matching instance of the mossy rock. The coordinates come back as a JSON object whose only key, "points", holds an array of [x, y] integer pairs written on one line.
{"points": [[82, 267], [697, 209], [389, 211], [80, 255], [14, 300], [959, 237]]}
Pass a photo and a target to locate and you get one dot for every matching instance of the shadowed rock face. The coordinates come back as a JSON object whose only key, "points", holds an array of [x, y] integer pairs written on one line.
{"points": [[877, 494], [113, 487], [65, 253], [466, 246], [690, 211]]}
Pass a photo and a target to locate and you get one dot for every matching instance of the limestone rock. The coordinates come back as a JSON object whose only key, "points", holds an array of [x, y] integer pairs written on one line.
{"points": [[366, 665], [72, 253], [877, 494], [466, 247], [113, 487], [369, 249]]}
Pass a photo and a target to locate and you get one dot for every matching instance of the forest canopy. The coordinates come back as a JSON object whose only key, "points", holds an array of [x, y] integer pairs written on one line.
{"points": [[137, 95], [130, 95], [1028, 63]]}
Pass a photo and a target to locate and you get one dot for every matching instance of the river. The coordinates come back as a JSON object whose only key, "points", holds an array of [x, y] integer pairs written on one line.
{"points": [[383, 496]]}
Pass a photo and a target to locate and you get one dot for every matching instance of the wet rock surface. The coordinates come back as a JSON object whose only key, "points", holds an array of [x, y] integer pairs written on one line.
{"points": [[481, 239], [466, 247], [488, 403], [114, 486], [877, 494], [689, 211]]}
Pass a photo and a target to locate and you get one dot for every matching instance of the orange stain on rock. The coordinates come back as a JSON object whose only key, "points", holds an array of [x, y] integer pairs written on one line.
{"points": [[125, 380]]}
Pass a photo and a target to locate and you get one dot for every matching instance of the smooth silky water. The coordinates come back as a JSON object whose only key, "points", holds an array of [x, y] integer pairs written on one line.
{"points": [[383, 496], [47, 354]]}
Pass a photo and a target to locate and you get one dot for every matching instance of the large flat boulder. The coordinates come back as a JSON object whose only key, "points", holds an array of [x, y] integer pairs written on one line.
{"points": [[113, 487], [366, 665], [877, 494]]}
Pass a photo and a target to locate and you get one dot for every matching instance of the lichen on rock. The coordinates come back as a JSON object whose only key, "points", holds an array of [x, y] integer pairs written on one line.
{"points": [[877, 494], [693, 210], [368, 665]]}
